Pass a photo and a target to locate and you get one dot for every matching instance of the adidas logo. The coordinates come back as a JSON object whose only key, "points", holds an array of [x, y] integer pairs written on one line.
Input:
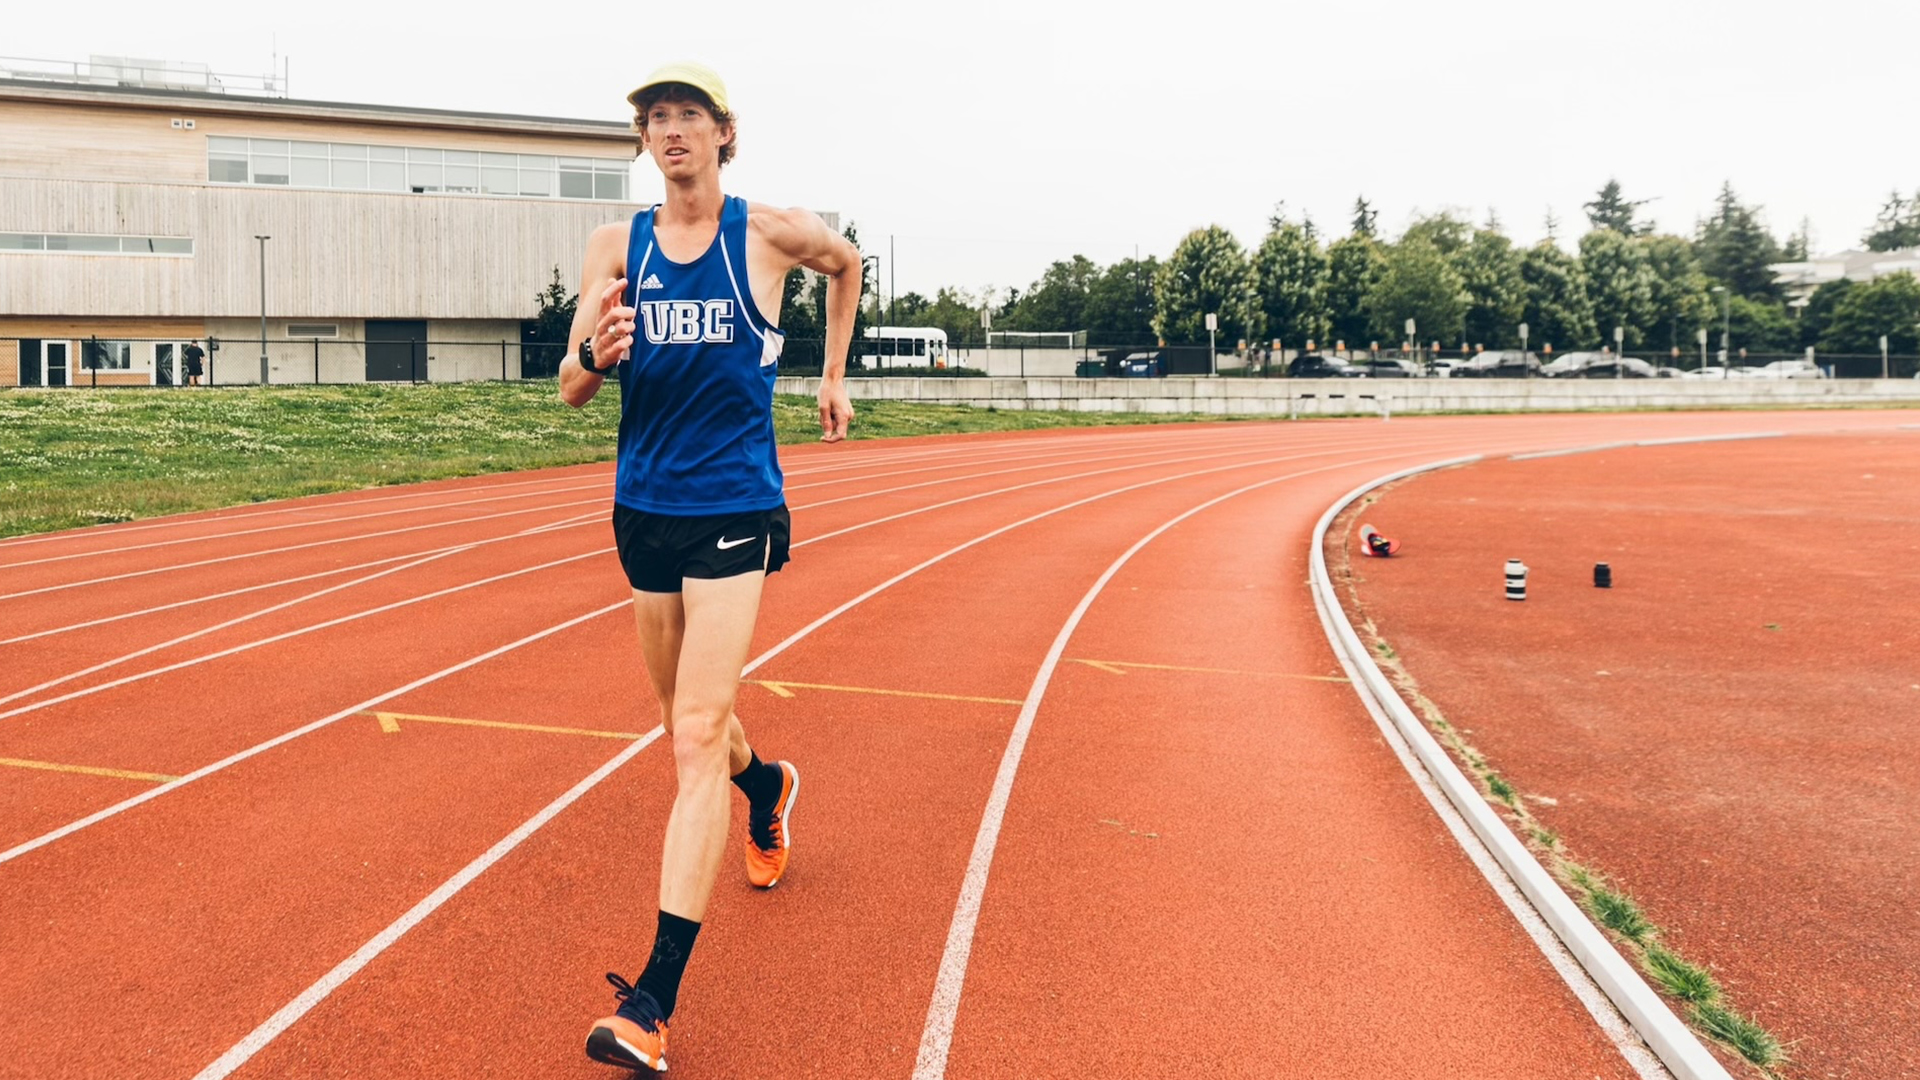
{"points": [[652, 282]]}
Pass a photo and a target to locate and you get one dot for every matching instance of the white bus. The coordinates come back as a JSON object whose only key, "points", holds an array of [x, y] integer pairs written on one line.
{"points": [[902, 346]]}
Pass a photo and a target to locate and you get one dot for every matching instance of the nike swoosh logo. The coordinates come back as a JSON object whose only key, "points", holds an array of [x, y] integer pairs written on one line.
{"points": [[726, 544]]}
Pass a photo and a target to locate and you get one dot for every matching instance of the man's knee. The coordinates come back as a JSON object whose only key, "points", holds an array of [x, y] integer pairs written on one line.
{"points": [[700, 734]]}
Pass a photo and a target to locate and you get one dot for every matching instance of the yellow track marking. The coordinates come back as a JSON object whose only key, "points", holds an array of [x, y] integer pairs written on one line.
{"points": [[390, 723], [785, 689], [1117, 667], [89, 770]]}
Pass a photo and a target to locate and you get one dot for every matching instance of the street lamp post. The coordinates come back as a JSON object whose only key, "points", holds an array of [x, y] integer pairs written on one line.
{"points": [[263, 306], [1524, 366], [1726, 327], [1619, 352], [1213, 323]]}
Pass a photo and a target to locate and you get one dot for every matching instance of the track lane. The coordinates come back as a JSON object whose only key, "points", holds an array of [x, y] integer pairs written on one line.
{"points": [[811, 792], [333, 785]]}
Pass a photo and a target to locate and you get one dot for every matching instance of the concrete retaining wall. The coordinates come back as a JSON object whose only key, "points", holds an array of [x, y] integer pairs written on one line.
{"points": [[1338, 397]]}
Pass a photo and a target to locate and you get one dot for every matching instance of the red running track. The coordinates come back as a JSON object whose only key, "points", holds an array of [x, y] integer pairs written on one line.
{"points": [[1201, 851]]}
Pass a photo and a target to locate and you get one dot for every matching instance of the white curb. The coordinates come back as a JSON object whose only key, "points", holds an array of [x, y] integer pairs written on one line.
{"points": [[1669, 1038]]}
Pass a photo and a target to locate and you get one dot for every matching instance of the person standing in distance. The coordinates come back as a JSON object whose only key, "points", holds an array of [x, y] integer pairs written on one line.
{"points": [[681, 306], [194, 354]]}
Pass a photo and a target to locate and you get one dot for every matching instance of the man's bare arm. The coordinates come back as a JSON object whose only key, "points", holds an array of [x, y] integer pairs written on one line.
{"points": [[599, 315], [805, 239]]}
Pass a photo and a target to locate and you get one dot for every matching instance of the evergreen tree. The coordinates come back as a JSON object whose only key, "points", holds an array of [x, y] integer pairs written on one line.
{"points": [[1619, 285], [1207, 273], [1366, 219], [1558, 311], [1447, 234], [1818, 314], [1800, 245], [1609, 210], [1897, 226], [544, 337], [1291, 273], [1735, 249], [1353, 264], [1887, 305], [1496, 294], [1681, 303]]}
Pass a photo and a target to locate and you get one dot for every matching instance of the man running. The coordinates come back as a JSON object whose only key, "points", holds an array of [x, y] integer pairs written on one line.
{"points": [[682, 306]]}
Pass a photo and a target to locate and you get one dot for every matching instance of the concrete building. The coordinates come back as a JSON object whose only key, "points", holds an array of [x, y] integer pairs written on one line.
{"points": [[403, 244], [1802, 278]]}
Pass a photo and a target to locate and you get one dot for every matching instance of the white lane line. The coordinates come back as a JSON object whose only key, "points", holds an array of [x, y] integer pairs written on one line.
{"points": [[564, 523], [936, 1037], [245, 646], [763, 658], [289, 1014], [261, 748], [299, 504], [316, 522], [295, 547], [218, 655]]}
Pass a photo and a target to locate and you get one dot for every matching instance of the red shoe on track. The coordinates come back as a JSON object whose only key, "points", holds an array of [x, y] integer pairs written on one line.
{"points": [[635, 1037], [770, 837]]}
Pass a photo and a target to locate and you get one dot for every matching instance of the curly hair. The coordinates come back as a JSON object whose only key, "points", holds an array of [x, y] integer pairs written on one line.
{"points": [[656, 94]]}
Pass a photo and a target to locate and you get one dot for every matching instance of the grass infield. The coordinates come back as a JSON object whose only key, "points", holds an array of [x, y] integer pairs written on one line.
{"points": [[74, 457]]}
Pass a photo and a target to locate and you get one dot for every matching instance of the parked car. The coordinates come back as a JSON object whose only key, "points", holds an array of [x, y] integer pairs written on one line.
{"points": [[1715, 371], [1316, 366], [1498, 364], [1442, 369], [1569, 364], [1385, 368], [1627, 367], [1788, 369], [1666, 372]]}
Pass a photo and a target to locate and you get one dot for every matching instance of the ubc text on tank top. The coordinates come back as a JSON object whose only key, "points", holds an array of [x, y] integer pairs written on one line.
{"points": [[696, 390]]}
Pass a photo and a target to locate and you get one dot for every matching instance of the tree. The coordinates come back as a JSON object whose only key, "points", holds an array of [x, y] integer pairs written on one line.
{"points": [[1800, 244], [957, 312], [1897, 226], [1418, 283], [1496, 294], [1558, 311], [1120, 303], [1208, 272], [1817, 315], [1290, 272], [544, 337], [1735, 249], [1366, 219], [1353, 263], [1058, 301], [1681, 302], [909, 309], [1887, 305], [1609, 210], [1759, 326], [1448, 234], [1619, 285]]}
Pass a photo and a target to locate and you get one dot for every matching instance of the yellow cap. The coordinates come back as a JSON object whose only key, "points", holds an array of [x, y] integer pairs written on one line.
{"points": [[698, 76]]}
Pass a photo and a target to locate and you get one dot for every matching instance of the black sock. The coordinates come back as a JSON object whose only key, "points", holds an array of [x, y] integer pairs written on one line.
{"points": [[672, 944], [760, 782]]}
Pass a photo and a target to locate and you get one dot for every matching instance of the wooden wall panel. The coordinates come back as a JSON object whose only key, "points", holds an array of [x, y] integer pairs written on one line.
{"points": [[108, 142], [9, 363], [332, 254]]}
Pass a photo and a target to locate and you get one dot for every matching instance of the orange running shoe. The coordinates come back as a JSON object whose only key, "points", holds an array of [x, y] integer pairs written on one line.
{"points": [[770, 837], [635, 1036]]}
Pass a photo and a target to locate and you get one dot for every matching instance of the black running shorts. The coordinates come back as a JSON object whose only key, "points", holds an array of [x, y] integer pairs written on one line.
{"points": [[659, 550]]}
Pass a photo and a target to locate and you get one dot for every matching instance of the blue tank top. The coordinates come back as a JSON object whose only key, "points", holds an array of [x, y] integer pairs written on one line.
{"points": [[696, 391]]}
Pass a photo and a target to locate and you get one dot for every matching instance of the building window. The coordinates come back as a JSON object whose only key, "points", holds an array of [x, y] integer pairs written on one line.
{"points": [[106, 355], [313, 330], [419, 169], [72, 244]]}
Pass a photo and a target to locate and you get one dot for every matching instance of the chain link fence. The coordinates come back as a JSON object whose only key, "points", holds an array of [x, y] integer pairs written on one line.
{"points": [[95, 362]]}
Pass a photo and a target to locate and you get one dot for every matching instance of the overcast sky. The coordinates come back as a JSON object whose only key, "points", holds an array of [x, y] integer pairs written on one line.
{"points": [[991, 138]]}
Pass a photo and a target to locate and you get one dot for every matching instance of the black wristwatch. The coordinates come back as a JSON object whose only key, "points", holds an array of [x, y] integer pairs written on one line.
{"points": [[586, 359]]}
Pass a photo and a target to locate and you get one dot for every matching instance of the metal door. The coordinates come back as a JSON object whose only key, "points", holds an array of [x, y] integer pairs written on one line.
{"points": [[396, 350], [166, 363]]}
